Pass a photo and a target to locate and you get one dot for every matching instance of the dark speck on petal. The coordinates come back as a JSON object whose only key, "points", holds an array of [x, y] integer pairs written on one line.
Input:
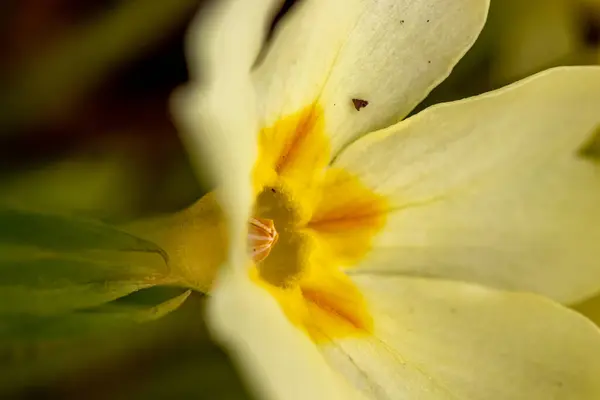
{"points": [[359, 103]]}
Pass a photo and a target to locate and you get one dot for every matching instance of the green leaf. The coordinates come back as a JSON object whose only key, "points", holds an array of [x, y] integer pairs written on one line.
{"points": [[50, 264], [108, 317], [65, 233]]}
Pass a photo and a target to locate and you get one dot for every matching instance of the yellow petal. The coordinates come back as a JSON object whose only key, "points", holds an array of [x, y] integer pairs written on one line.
{"points": [[277, 359], [492, 189], [345, 220], [390, 53], [447, 340]]}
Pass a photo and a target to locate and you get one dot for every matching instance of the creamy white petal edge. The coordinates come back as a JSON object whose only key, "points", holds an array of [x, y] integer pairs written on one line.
{"points": [[442, 340], [492, 189], [388, 52], [216, 111], [432, 340], [277, 360], [218, 122]]}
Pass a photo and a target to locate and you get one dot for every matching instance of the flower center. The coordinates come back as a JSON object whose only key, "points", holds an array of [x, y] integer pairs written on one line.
{"points": [[280, 254], [262, 236], [326, 220]]}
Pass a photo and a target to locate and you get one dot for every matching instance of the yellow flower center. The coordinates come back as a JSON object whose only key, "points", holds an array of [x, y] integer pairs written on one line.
{"points": [[311, 222]]}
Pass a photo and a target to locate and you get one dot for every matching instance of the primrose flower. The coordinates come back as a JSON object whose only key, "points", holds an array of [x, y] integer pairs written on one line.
{"points": [[390, 264]]}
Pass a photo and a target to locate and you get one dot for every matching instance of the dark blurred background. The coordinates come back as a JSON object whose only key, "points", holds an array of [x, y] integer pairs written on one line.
{"points": [[85, 129], [85, 88]]}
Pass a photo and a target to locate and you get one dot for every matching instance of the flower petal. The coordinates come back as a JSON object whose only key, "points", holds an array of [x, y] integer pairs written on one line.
{"points": [[390, 53], [217, 114], [448, 340], [278, 360], [492, 189]]}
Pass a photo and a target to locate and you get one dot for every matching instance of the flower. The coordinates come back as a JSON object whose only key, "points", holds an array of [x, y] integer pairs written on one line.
{"points": [[390, 264]]}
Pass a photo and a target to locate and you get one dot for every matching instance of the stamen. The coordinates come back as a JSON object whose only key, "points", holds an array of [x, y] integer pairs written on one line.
{"points": [[262, 236]]}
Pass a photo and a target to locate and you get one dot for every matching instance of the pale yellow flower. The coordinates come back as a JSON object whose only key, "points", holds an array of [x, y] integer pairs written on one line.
{"points": [[374, 288]]}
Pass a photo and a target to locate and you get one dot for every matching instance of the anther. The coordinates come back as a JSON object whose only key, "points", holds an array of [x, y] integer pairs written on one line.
{"points": [[262, 236]]}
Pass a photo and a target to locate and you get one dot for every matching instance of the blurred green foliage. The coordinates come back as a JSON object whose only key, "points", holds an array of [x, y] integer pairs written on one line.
{"points": [[67, 283], [167, 358], [83, 56], [74, 291]]}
